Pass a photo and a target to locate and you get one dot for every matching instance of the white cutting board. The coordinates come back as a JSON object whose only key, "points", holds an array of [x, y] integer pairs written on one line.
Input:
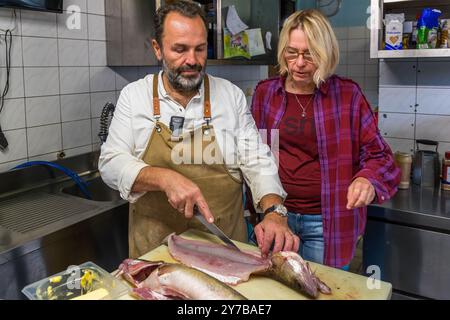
{"points": [[344, 285]]}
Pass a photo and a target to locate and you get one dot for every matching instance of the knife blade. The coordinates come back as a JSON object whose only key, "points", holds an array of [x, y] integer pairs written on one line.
{"points": [[215, 230]]}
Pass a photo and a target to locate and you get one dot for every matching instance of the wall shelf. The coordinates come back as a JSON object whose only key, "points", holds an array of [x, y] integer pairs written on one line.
{"points": [[414, 53], [410, 8]]}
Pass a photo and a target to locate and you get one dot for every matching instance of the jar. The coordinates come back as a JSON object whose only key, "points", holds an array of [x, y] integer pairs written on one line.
{"points": [[446, 171], [404, 161]]}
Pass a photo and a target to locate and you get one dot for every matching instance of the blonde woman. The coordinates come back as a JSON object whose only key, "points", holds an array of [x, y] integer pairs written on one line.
{"points": [[333, 161]]}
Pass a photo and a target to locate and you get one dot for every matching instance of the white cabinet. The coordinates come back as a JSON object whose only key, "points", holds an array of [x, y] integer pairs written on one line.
{"points": [[410, 8]]}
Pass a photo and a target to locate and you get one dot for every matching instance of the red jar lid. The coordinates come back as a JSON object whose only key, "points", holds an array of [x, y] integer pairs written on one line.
{"points": [[447, 155]]}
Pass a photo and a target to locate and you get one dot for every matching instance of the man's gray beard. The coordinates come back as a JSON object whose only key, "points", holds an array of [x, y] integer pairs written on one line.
{"points": [[180, 83]]}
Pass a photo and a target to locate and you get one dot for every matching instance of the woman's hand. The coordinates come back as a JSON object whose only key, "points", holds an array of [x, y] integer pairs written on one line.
{"points": [[360, 193]]}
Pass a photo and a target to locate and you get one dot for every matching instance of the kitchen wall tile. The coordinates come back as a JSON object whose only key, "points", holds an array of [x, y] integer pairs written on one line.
{"points": [[95, 130], [81, 4], [10, 165], [398, 73], [40, 52], [13, 114], [75, 107], [396, 125], [401, 145], [96, 6], [343, 45], [76, 134], [53, 156], [73, 53], [357, 45], [371, 83], [97, 53], [433, 127], [355, 71], [358, 32], [355, 58], [74, 80], [397, 99], [341, 70], [72, 28], [102, 79], [343, 57], [43, 111], [15, 82], [341, 32], [77, 151], [432, 74], [41, 81], [97, 29], [17, 148], [16, 51], [98, 101], [10, 22], [38, 24], [433, 101], [44, 140], [371, 70]]}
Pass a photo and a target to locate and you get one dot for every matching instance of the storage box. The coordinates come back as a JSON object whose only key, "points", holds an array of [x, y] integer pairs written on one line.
{"points": [[84, 282]]}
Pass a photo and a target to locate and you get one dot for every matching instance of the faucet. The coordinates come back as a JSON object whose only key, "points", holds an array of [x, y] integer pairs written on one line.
{"points": [[105, 120]]}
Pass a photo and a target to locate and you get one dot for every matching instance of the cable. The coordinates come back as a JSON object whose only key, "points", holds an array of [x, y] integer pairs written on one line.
{"points": [[8, 38]]}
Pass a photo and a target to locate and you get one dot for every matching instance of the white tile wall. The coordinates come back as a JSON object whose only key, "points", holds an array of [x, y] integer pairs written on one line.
{"points": [[355, 62], [60, 82], [415, 92]]}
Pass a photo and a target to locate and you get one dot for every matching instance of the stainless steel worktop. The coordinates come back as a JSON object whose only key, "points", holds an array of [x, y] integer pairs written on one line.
{"points": [[421, 207], [408, 239]]}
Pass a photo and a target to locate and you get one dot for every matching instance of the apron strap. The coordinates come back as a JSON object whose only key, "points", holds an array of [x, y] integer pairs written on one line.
{"points": [[206, 106]]}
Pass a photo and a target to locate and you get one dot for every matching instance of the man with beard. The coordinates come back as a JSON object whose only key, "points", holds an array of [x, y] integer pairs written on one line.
{"points": [[183, 141]]}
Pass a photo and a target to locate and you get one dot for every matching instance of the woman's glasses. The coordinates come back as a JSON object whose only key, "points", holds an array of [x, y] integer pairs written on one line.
{"points": [[292, 55]]}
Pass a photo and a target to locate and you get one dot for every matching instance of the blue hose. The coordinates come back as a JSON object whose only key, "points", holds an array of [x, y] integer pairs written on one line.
{"points": [[83, 185]]}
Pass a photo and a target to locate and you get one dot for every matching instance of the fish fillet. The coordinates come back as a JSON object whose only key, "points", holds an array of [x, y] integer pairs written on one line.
{"points": [[225, 264]]}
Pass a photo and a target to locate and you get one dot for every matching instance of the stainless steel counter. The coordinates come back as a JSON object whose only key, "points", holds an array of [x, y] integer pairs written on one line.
{"points": [[424, 207], [408, 238], [47, 226]]}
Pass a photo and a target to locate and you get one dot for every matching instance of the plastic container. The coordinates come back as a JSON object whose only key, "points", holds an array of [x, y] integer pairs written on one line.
{"points": [[84, 282]]}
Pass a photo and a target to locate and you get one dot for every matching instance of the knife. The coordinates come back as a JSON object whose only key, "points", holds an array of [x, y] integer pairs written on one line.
{"points": [[215, 230]]}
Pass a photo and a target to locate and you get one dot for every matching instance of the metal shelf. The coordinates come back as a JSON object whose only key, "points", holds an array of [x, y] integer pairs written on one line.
{"points": [[414, 53]]}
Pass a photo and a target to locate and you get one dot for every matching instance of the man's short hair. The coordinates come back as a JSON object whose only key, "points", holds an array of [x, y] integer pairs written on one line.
{"points": [[186, 8]]}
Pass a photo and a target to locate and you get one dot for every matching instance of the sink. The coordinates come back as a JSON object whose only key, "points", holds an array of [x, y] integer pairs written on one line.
{"points": [[98, 189]]}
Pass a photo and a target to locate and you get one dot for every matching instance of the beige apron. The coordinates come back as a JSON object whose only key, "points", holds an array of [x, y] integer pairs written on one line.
{"points": [[152, 218]]}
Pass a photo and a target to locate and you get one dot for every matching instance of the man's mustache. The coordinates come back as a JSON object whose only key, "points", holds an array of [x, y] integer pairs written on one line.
{"points": [[196, 67]]}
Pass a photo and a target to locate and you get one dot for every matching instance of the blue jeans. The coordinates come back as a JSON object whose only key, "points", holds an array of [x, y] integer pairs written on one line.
{"points": [[310, 230]]}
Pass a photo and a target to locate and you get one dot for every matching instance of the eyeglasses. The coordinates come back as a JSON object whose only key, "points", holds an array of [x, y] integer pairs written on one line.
{"points": [[292, 55]]}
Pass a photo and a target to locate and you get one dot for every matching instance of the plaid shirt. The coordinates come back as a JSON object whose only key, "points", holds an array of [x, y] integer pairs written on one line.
{"points": [[349, 145]]}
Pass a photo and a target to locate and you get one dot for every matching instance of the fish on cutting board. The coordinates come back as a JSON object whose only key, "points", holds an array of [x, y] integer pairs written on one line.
{"points": [[233, 267], [167, 281]]}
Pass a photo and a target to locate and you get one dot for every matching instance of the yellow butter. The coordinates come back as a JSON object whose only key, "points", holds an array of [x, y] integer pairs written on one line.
{"points": [[94, 295]]}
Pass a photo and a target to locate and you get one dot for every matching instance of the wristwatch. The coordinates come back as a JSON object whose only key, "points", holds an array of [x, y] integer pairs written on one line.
{"points": [[278, 209]]}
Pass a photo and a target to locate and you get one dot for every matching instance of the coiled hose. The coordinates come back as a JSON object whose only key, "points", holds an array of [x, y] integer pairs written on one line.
{"points": [[105, 121]]}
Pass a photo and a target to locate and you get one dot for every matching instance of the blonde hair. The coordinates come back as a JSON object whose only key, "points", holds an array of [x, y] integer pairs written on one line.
{"points": [[322, 42]]}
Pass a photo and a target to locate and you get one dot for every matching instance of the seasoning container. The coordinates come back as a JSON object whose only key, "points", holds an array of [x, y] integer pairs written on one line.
{"points": [[446, 171], [404, 161]]}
